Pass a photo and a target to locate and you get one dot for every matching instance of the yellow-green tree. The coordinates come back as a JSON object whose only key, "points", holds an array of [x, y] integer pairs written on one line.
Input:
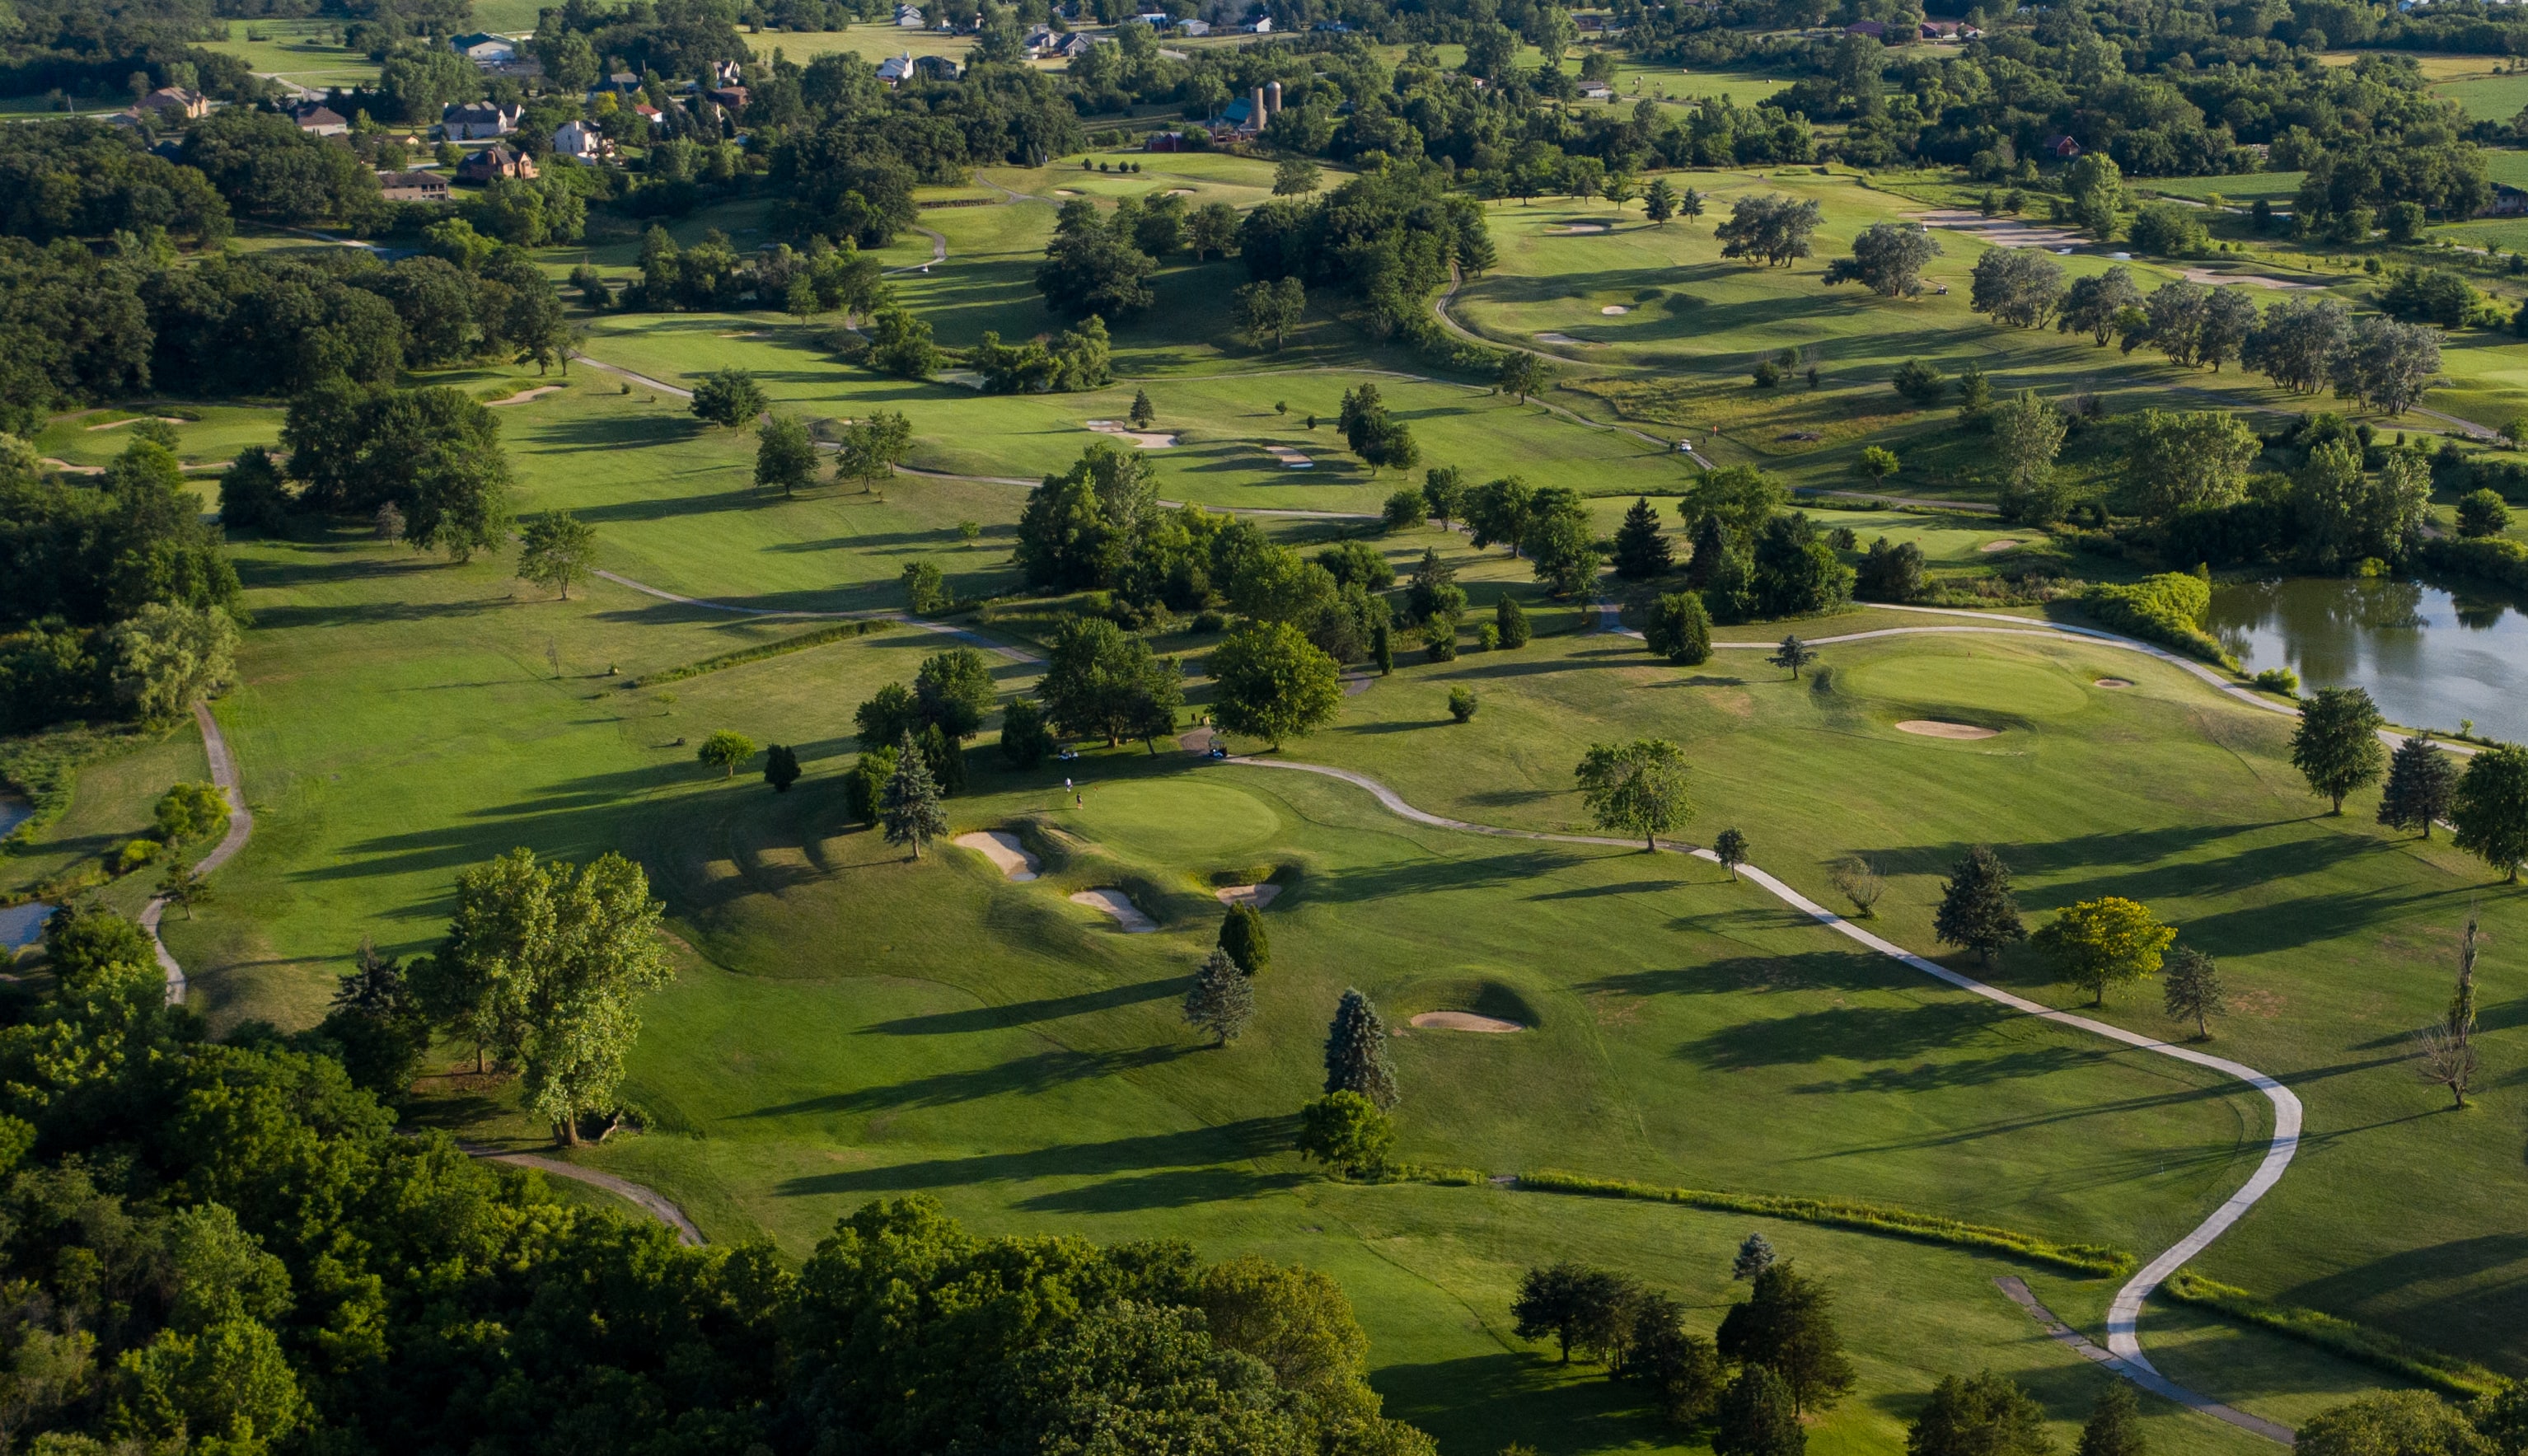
{"points": [[2106, 941]]}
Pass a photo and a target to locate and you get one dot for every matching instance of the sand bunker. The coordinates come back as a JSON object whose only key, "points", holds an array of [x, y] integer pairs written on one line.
{"points": [[1003, 849], [1065, 191], [963, 379], [2115, 682], [2251, 280], [748, 334], [1116, 903], [1148, 440], [1997, 546], [119, 424], [1583, 228], [1180, 191], [1290, 459], [523, 395], [1934, 728], [2000, 232], [1614, 309], [1465, 1022], [1567, 341], [1258, 896]]}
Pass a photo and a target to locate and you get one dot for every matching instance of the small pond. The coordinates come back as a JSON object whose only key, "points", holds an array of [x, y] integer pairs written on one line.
{"points": [[19, 924], [2429, 658]]}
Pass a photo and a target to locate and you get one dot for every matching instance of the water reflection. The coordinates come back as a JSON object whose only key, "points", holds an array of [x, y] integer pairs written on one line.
{"points": [[2430, 656], [21, 924]]}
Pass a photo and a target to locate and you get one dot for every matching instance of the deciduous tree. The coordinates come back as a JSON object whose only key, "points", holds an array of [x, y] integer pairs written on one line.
{"points": [[1576, 1306], [2105, 942], [2491, 809], [1636, 788], [724, 751], [556, 550], [1346, 1132], [2337, 747], [1730, 848], [1758, 1417], [1679, 629], [1982, 1415], [1273, 683], [1887, 259], [2192, 991], [784, 455], [728, 398]]}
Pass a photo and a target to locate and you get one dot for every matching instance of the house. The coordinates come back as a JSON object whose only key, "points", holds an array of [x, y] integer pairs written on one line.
{"points": [[581, 140], [485, 49], [909, 17], [1193, 27], [1262, 25], [478, 121], [413, 187], [1071, 47], [2508, 202], [2059, 146], [894, 69], [622, 84], [175, 103], [1874, 30], [1597, 91], [1039, 41], [936, 68], [316, 119], [1156, 19], [495, 161], [727, 72], [732, 97], [647, 113], [1164, 141]]}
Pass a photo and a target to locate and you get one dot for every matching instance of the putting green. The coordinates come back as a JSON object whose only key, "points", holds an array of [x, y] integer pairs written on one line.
{"points": [[1972, 684], [1174, 821]]}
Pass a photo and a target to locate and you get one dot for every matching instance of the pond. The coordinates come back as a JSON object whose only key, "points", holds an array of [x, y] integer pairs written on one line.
{"points": [[2429, 658], [19, 924]]}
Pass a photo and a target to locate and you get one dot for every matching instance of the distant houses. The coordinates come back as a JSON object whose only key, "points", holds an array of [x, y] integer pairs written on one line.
{"points": [[485, 49], [316, 119], [493, 162], [478, 121], [581, 141], [175, 103], [413, 187]]}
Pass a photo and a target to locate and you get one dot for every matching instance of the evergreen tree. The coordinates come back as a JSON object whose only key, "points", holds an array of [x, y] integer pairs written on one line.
{"points": [[910, 805], [1640, 548], [1679, 629], [1758, 1416], [2114, 1427], [781, 767], [2337, 746], [1710, 544], [1794, 654], [378, 1025], [1243, 937], [946, 759], [1787, 1325], [1356, 1053], [1143, 412], [1222, 1000], [1511, 619], [1731, 848], [1976, 911], [1025, 738], [2422, 779], [2193, 991], [1755, 1256], [1382, 647], [1985, 1415]]}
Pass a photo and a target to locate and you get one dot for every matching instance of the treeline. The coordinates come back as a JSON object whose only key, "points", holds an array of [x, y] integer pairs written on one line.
{"points": [[214, 1244]]}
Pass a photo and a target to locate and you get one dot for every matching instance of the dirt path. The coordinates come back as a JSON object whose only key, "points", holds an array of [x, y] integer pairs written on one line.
{"points": [[224, 773], [657, 1203]]}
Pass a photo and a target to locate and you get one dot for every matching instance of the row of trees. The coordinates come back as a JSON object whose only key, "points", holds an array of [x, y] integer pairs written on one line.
{"points": [[2337, 747]]}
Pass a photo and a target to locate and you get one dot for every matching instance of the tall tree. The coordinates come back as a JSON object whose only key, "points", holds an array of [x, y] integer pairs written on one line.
{"points": [[2445, 1052], [1794, 654], [2422, 782], [1579, 1307], [780, 766], [1758, 1417], [784, 455], [1511, 620], [2193, 991], [1982, 1415], [1642, 549], [955, 691], [728, 398], [1887, 259], [1679, 629], [2491, 809], [1786, 1324], [1356, 1052], [2114, 1427], [724, 751], [1243, 939], [1978, 912], [556, 550], [2105, 942], [1636, 788], [1274, 683], [1730, 849], [871, 445], [1346, 1131], [2337, 747], [1755, 1256], [1222, 1000], [910, 807]]}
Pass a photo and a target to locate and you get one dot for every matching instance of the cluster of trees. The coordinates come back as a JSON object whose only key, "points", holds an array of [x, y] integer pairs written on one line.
{"points": [[214, 1242], [1385, 238], [426, 463], [116, 600], [2337, 747], [2340, 501]]}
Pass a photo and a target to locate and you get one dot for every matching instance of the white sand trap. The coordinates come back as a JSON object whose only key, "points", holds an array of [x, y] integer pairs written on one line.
{"points": [[1997, 546], [523, 395], [1583, 227], [2115, 682], [1180, 191], [1290, 459], [1465, 1022], [1148, 440], [136, 419], [1568, 342], [1614, 309], [1934, 728], [1258, 896], [1003, 848], [2251, 280], [1065, 191], [1116, 903], [748, 334], [2000, 232]]}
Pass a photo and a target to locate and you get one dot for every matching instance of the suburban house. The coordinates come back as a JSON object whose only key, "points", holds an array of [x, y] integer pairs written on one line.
{"points": [[1070, 48], [2508, 202], [732, 97], [175, 103], [1874, 30], [909, 17], [413, 187], [485, 49], [936, 68], [2060, 146], [727, 72], [316, 119], [894, 69], [1262, 25], [495, 161], [478, 121], [647, 113], [1597, 91], [582, 141]]}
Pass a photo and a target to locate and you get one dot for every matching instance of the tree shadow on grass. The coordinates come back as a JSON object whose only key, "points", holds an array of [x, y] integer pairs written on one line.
{"points": [[1424, 876], [1026, 1077], [1481, 1403], [1192, 1147], [1027, 1012], [1852, 1033], [2473, 1286], [1805, 971], [1170, 1188]]}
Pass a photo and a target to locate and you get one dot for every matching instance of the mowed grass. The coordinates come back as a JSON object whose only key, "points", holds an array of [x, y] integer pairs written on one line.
{"points": [[96, 436], [114, 802], [299, 50]]}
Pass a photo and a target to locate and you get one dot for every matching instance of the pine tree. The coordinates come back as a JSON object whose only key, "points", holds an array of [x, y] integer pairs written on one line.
{"points": [[1787, 1325], [1755, 1256], [1976, 909], [1732, 847], [1222, 1000], [1710, 546], [1382, 647], [1759, 1418], [1243, 937], [946, 759], [2192, 991], [1794, 654], [910, 807], [1642, 549], [1356, 1053], [2115, 1423], [2422, 779], [1143, 412], [1511, 619]]}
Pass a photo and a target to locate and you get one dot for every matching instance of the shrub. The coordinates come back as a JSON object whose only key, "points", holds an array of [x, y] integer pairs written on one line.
{"points": [[2480, 512], [1680, 629], [2167, 608], [1210, 621], [2279, 679], [1441, 640], [1767, 375], [1920, 382], [131, 855], [2492, 558], [1511, 618], [1489, 636], [1405, 510], [1462, 703]]}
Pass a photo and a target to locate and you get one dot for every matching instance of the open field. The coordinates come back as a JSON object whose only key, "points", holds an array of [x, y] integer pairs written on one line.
{"points": [[299, 50]]}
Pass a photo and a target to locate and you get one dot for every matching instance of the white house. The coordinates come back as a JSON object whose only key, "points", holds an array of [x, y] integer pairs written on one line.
{"points": [[909, 17], [1262, 25], [485, 49], [581, 140], [478, 122], [1193, 27], [894, 69]]}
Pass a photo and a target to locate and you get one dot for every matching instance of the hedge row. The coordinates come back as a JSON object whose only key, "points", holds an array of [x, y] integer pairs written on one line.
{"points": [[2446, 1373], [1870, 1218], [2492, 558], [2166, 608], [743, 655]]}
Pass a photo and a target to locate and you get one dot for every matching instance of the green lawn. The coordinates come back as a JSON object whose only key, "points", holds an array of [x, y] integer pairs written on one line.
{"points": [[299, 50]]}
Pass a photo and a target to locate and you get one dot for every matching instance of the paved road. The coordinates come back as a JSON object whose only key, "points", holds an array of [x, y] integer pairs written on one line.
{"points": [[657, 1203], [224, 773]]}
